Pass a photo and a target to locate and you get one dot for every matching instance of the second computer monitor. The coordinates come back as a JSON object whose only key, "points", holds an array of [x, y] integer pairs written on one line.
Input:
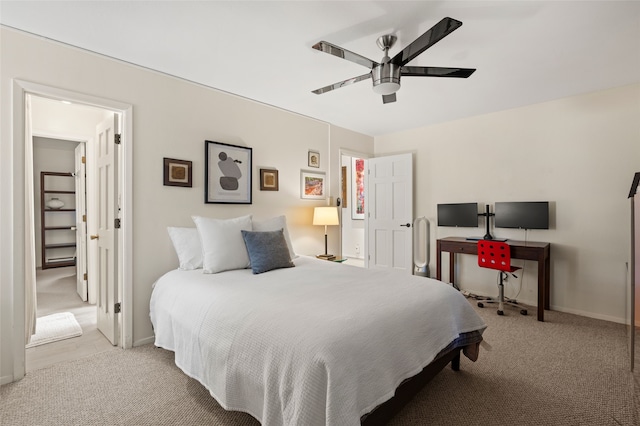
{"points": [[522, 214]]}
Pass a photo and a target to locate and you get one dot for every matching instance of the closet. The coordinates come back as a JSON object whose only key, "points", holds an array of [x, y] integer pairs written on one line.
{"points": [[57, 219]]}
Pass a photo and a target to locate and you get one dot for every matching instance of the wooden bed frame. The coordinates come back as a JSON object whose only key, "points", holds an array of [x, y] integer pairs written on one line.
{"points": [[383, 413]]}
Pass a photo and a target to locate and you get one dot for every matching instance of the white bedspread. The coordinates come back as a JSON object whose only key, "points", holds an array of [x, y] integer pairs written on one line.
{"points": [[318, 344]]}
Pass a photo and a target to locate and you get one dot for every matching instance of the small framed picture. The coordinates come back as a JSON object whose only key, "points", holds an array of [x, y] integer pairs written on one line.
{"points": [[312, 185], [268, 180], [177, 172], [314, 159], [227, 173]]}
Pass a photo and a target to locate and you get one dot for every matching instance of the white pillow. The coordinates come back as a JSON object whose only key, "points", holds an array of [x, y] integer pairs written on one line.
{"points": [[186, 242], [223, 248], [275, 224]]}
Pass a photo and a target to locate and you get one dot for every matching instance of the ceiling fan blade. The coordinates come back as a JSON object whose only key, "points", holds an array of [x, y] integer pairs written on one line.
{"points": [[340, 84], [436, 72], [334, 50], [387, 99], [439, 31]]}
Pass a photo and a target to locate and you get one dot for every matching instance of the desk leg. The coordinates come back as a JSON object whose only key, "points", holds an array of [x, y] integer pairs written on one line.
{"points": [[452, 269], [438, 261], [542, 288], [547, 281]]}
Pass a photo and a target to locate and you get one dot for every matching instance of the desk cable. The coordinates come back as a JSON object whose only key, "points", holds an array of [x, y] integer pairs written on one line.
{"points": [[524, 263]]}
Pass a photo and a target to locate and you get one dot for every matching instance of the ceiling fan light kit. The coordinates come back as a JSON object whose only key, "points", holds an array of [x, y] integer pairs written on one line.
{"points": [[386, 74]]}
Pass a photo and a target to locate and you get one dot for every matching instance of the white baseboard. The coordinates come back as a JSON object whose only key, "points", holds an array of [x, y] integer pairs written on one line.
{"points": [[563, 309], [144, 341], [589, 314], [6, 380]]}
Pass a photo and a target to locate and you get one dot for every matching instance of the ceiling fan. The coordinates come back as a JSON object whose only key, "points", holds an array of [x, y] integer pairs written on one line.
{"points": [[386, 74]]}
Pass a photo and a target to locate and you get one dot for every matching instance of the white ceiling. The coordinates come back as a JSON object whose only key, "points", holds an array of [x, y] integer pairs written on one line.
{"points": [[524, 52]]}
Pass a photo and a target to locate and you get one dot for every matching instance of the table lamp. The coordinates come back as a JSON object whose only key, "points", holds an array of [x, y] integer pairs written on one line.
{"points": [[325, 216]]}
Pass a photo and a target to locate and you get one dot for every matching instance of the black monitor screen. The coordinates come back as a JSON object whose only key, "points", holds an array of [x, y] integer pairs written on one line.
{"points": [[525, 215], [464, 215]]}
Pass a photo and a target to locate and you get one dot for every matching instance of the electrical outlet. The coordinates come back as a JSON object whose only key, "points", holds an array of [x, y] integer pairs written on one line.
{"points": [[357, 248]]}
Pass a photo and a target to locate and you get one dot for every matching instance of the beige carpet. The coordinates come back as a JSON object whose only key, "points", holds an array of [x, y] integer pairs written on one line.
{"points": [[568, 370]]}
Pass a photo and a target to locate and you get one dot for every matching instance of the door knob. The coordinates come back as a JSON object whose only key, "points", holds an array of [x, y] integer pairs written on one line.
{"points": [[94, 237], [408, 225]]}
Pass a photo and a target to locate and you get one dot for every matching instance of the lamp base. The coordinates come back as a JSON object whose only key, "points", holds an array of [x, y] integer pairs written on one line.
{"points": [[326, 256]]}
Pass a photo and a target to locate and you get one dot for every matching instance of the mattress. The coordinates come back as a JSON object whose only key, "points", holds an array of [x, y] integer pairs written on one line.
{"points": [[321, 343]]}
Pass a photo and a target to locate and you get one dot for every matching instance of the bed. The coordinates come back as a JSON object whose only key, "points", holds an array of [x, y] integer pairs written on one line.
{"points": [[320, 343]]}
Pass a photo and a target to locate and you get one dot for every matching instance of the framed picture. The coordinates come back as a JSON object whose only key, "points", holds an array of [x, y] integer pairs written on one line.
{"points": [[227, 173], [357, 188], [268, 180], [177, 172], [314, 159], [312, 185]]}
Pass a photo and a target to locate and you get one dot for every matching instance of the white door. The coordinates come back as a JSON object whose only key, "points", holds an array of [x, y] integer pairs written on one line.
{"points": [[106, 238], [81, 223], [389, 195]]}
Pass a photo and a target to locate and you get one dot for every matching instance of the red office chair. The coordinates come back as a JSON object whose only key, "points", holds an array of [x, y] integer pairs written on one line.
{"points": [[497, 255]]}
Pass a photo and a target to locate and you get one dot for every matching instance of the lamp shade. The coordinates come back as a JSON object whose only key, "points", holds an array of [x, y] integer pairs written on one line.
{"points": [[325, 216]]}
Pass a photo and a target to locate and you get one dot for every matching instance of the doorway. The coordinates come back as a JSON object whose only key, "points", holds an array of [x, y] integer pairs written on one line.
{"points": [[62, 296], [24, 284], [352, 207]]}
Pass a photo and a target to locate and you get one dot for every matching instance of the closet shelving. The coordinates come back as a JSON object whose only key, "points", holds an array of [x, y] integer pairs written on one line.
{"points": [[58, 226]]}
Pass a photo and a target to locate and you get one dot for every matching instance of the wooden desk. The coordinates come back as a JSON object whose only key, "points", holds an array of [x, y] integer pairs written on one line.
{"points": [[531, 250]]}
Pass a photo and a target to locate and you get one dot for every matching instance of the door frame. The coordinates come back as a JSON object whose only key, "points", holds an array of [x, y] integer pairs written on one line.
{"points": [[352, 154], [16, 203]]}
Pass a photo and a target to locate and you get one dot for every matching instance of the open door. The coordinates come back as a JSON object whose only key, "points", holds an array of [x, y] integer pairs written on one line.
{"points": [[389, 195], [81, 222], [106, 238]]}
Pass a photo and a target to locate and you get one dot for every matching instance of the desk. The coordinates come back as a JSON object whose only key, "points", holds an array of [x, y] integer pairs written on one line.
{"points": [[530, 250]]}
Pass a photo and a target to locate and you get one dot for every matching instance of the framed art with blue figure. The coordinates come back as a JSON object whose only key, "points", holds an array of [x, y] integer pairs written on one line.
{"points": [[227, 173]]}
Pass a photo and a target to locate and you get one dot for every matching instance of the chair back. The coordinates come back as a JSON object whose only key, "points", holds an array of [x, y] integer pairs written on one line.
{"points": [[494, 255]]}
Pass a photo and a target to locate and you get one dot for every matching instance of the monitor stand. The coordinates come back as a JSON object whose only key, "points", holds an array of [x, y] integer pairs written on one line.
{"points": [[487, 214]]}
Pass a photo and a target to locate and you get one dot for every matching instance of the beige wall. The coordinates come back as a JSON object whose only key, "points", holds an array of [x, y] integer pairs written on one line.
{"points": [[171, 118], [580, 153]]}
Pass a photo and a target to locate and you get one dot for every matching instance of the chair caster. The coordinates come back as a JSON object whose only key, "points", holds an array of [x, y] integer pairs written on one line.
{"points": [[500, 312], [523, 312], [480, 305]]}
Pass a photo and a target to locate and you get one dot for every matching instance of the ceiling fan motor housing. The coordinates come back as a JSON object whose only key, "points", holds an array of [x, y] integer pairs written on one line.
{"points": [[386, 78]]}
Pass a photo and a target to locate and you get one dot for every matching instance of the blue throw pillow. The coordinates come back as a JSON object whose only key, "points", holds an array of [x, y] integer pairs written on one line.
{"points": [[267, 250]]}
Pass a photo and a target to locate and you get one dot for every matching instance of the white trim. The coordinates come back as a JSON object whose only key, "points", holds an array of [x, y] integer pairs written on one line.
{"points": [[16, 207], [60, 136], [145, 341], [349, 153], [619, 320]]}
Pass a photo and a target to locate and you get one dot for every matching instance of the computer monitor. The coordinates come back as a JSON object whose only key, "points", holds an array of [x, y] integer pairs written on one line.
{"points": [[522, 214], [464, 215]]}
